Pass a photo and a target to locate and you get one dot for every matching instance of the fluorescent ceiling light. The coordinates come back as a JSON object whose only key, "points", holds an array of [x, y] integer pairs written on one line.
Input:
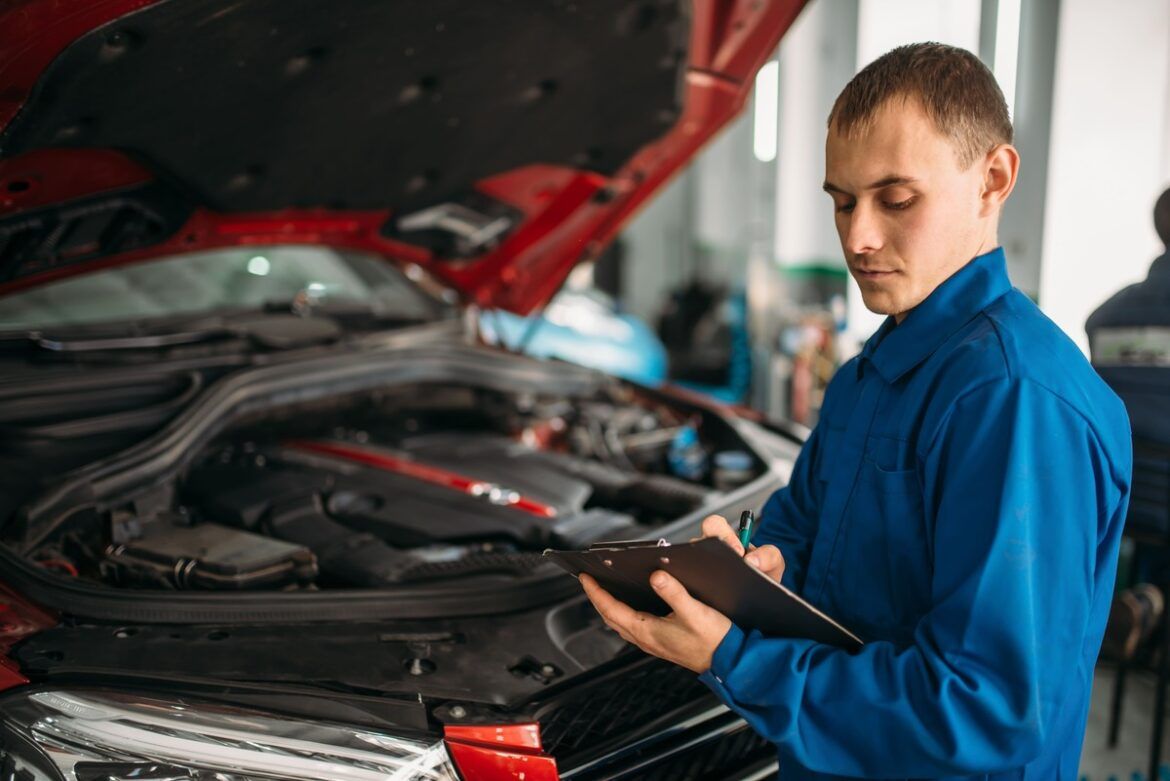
{"points": [[767, 108]]}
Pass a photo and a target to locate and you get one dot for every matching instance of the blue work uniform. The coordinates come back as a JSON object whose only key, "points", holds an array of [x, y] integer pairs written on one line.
{"points": [[959, 507]]}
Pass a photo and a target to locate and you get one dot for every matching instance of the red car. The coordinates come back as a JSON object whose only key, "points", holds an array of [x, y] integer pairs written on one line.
{"points": [[269, 509]]}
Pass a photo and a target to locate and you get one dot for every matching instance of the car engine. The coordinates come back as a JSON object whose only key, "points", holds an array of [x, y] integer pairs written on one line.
{"points": [[419, 483]]}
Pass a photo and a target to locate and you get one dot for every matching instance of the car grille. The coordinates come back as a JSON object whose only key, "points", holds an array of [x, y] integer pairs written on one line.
{"points": [[743, 753], [616, 705], [651, 721], [716, 746]]}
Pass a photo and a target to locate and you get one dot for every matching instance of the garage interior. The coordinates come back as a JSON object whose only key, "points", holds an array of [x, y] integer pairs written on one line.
{"points": [[726, 290]]}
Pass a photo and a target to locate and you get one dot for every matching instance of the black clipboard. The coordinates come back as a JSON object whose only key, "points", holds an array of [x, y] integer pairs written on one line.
{"points": [[714, 574]]}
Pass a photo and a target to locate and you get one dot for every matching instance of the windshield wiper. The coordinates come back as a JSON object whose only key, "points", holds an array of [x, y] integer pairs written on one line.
{"points": [[279, 325], [270, 331], [79, 344]]}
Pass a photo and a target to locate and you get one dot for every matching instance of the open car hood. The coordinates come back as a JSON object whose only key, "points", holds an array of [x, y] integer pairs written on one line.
{"points": [[494, 144]]}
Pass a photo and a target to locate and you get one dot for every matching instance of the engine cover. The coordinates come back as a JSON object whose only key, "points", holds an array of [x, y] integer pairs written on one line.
{"points": [[439, 489]]}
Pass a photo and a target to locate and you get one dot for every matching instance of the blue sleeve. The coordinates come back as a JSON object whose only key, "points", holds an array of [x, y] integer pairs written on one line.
{"points": [[1014, 487], [789, 517]]}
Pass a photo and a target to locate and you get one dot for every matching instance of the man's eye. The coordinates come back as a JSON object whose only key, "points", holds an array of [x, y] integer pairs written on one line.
{"points": [[898, 205], [845, 208]]}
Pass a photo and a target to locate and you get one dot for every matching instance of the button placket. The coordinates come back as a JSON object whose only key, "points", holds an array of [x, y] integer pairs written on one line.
{"points": [[843, 484]]}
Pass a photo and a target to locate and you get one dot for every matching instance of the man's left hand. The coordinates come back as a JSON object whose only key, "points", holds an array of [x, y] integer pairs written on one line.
{"points": [[688, 636]]}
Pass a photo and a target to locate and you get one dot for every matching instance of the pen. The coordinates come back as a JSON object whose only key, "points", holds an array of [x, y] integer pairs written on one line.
{"points": [[746, 521]]}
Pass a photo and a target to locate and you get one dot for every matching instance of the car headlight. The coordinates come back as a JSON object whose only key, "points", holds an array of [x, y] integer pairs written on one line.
{"points": [[82, 735]]}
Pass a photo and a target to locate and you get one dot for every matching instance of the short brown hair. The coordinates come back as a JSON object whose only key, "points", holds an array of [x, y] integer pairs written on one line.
{"points": [[955, 89]]}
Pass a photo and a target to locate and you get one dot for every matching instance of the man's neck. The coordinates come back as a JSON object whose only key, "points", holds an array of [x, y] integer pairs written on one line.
{"points": [[986, 246], [990, 242]]}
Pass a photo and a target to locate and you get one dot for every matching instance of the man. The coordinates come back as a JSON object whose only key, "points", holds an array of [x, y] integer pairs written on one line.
{"points": [[959, 504], [1129, 336]]}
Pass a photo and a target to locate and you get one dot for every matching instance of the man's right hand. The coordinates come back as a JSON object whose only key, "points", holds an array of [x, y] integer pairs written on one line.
{"points": [[766, 558]]}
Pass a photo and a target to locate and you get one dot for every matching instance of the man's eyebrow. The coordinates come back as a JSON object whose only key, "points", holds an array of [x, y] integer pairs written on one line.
{"points": [[890, 180], [885, 181]]}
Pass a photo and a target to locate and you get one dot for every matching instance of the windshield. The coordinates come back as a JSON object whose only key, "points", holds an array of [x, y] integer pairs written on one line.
{"points": [[233, 278]]}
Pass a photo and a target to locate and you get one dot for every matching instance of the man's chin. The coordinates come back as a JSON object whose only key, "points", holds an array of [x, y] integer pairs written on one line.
{"points": [[887, 307], [880, 305], [890, 300]]}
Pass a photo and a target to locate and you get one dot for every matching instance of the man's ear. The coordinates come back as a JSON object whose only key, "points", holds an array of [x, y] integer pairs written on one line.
{"points": [[1000, 167]]}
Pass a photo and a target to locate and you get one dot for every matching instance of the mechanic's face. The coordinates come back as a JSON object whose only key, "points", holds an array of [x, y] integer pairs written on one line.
{"points": [[908, 216]]}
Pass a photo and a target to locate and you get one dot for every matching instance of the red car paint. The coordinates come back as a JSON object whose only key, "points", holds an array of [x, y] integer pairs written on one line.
{"points": [[499, 752], [419, 471], [44, 177], [19, 618]]}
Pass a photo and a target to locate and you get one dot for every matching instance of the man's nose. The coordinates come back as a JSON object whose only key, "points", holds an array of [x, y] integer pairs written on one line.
{"points": [[864, 233]]}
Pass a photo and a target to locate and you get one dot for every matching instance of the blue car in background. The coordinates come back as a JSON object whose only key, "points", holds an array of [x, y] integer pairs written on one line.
{"points": [[584, 327]]}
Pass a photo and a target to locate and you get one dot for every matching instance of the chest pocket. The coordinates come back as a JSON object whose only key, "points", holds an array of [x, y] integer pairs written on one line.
{"points": [[884, 565]]}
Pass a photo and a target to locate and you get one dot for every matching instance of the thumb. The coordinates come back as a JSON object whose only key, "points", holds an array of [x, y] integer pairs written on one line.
{"points": [[672, 592]]}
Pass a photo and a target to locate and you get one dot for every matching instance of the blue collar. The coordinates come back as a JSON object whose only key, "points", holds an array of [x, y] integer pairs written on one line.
{"points": [[896, 349]]}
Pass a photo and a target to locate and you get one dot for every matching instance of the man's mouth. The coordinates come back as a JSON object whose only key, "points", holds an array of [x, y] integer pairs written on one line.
{"points": [[873, 274]]}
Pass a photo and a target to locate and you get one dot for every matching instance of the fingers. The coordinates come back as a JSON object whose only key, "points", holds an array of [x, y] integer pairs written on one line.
{"points": [[606, 604], [686, 637], [619, 616], [673, 593], [690, 635], [767, 559], [717, 526]]}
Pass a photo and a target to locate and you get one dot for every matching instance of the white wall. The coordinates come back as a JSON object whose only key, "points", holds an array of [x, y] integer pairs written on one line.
{"points": [[1109, 156], [1166, 128], [884, 24]]}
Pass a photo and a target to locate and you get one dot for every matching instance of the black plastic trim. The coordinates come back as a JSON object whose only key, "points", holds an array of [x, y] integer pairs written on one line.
{"points": [[55, 237]]}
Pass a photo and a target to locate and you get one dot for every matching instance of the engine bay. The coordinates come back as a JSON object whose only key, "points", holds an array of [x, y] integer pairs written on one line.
{"points": [[416, 483]]}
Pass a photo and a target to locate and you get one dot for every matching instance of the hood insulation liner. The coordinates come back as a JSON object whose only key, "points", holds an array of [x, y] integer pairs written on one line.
{"points": [[257, 105]]}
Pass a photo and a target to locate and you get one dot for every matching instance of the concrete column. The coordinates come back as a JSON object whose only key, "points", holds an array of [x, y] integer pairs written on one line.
{"points": [[1021, 229]]}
